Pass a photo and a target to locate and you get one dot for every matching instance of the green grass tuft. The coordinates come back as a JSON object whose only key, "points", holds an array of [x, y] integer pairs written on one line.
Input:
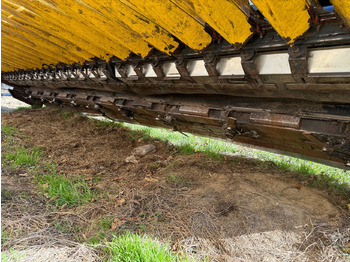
{"points": [[8, 130], [186, 149], [136, 248], [106, 223], [62, 190], [23, 108], [23, 157], [68, 114], [106, 124]]}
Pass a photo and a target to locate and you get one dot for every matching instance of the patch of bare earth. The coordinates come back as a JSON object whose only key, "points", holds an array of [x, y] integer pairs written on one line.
{"points": [[222, 211]]}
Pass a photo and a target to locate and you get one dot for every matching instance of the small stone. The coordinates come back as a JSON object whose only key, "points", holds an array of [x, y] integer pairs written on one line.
{"points": [[131, 159], [143, 150]]}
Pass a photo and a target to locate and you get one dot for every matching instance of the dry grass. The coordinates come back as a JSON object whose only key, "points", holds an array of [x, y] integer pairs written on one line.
{"points": [[223, 212]]}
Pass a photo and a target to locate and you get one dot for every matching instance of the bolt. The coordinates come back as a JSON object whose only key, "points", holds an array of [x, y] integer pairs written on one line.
{"points": [[295, 50]]}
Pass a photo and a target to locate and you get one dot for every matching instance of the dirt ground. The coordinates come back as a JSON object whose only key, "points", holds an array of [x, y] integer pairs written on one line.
{"points": [[220, 211]]}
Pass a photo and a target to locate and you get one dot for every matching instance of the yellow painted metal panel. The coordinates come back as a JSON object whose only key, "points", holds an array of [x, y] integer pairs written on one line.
{"points": [[30, 54], [54, 49], [289, 18], [342, 7], [81, 37], [30, 60], [18, 61], [5, 67], [45, 49], [29, 21], [108, 32], [35, 52], [172, 18], [222, 15], [132, 21], [34, 23]]}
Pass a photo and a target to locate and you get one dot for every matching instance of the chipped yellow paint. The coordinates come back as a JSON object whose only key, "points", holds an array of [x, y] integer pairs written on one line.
{"points": [[343, 9], [36, 46], [289, 18], [59, 52], [5, 67], [30, 60], [170, 17], [133, 21], [222, 15], [81, 38], [30, 54], [40, 42], [32, 22], [18, 61], [110, 33], [45, 56]]}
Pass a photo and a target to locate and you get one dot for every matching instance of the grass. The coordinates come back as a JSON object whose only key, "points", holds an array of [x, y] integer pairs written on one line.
{"points": [[8, 130], [68, 114], [23, 108], [63, 190], [4, 236], [106, 223], [137, 248], [23, 157], [216, 149], [106, 124], [176, 179], [13, 256]]}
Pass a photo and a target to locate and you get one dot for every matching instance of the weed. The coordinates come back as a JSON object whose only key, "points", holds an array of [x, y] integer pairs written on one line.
{"points": [[4, 257], [8, 130], [142, 227], [186, 149], [94, 241], [176, 179], [4, 236], [14, 256], [213, 155], [5, 194], [63, 190], [106, 223], [155, 165], [62, 226], [23, 157], [68, 114], [132, 247]]}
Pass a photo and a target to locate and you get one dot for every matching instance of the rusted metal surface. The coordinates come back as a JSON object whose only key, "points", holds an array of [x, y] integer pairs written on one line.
{"points": [[308, 129]]}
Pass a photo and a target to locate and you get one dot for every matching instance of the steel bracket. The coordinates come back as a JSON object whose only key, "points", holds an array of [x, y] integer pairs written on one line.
{"points": [[298, 62], [210, 61], [249, 67], [157, 67]]}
